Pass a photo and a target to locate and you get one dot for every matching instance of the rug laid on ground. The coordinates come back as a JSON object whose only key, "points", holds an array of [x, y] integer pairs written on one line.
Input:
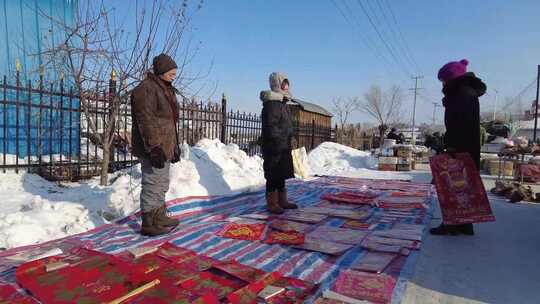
{"points": [[346, 232]]}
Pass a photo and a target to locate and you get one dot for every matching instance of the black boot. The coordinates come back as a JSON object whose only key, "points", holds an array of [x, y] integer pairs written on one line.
{"points": [[466, 229], [444, 230]]}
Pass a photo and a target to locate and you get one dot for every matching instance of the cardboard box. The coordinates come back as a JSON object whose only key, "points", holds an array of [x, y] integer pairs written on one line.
{"points": [[404, 161], [388, 160], [387, 152], [507, 167], [407, 167], [404, 153], [387, 167]]}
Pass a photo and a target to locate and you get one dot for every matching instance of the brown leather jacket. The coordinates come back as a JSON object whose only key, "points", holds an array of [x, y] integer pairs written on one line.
{"points": [[154, 113]]}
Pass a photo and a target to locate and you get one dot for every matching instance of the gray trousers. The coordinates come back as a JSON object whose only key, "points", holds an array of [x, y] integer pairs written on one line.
{"points": [[155, 184]]}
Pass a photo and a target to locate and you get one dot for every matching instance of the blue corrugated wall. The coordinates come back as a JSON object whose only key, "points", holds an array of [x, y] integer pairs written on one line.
{"points": [[26, 30]]}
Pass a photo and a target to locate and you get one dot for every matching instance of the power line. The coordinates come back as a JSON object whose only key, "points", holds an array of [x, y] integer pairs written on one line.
{"points": [[356, 26], [398, 46], [388, 48], [519, 95], [385, 32], [408, 50]]}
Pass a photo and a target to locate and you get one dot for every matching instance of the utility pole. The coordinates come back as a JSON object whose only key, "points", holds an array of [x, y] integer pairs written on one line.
{"points": [[435, 106], [495, 107], [536, 105], [416, 88]]}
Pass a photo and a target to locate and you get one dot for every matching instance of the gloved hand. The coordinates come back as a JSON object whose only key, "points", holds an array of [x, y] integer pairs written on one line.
{"points": [[157, 158], [176, 155]]}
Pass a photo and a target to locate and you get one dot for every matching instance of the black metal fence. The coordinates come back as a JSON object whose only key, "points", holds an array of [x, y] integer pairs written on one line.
{"points": [[45, 129]]}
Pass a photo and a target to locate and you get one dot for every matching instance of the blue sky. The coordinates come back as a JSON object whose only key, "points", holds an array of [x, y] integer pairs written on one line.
{"points": [[326, 57]]}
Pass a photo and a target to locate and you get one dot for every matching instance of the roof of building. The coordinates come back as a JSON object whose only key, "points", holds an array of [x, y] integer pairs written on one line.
{"points": [[311, 107]]}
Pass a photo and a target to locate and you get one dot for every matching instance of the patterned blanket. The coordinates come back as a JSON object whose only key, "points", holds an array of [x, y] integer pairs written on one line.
{"points": [[202, 217]]}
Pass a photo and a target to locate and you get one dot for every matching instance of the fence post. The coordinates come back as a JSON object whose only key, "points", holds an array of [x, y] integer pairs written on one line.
{"points": [[112, 119], [40, 118], [18, 67], [312, 134], [29, 126], [223, 119], [5, 122]]}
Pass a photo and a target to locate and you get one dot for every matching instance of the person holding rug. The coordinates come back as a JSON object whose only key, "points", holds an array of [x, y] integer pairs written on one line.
{"points": [[461, 91], [277, 134]]}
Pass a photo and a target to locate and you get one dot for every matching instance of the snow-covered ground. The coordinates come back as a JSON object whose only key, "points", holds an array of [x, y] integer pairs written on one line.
{"points": [[35, 210]]}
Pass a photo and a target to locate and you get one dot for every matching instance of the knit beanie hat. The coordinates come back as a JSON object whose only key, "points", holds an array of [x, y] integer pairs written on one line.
{"points": [[163, 63], [453, 70]]}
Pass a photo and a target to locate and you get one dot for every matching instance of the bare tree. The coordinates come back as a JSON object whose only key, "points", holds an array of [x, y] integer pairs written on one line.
{"points": [[343, 108], [384, 107], [101, 44]]}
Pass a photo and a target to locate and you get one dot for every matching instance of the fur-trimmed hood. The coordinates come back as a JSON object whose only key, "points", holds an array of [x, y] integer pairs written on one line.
{"points": [[275, 93]]}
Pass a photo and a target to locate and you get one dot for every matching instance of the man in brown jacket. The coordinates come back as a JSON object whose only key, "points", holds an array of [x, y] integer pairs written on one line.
{"points": [[154, 111]]}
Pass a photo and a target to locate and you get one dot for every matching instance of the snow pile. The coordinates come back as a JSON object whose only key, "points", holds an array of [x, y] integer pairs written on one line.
{"points": [[338, 160], [209, 168], [332, 159], [35, 210]]}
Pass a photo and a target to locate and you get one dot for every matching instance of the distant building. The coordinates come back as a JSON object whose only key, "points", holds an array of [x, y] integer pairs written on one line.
{"points": [[305, 115]]}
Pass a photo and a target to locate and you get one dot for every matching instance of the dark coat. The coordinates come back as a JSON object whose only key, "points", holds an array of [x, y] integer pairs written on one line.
{"points": [[276, 140], [393, 136], [462, 115], [154, 112]]}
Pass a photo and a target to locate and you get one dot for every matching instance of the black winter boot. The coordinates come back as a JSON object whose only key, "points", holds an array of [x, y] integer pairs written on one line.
{"points": [[444, 230], [466, 229]]}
